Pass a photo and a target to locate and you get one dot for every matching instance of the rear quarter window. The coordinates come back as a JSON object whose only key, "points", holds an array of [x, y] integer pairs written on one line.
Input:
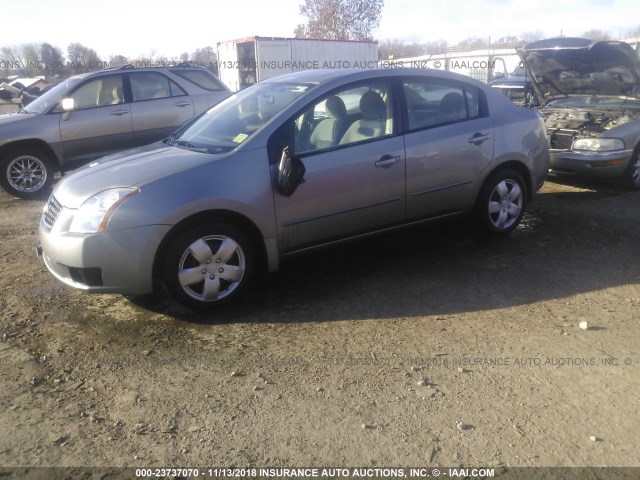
{"points": [[200, 78]]}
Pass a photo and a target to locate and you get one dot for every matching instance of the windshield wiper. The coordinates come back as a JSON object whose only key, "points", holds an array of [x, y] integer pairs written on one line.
{"points": [[187, 145]]}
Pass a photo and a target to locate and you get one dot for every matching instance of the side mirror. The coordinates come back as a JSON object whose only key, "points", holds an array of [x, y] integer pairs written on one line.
{"points": [[68, 104], [290, 173]]}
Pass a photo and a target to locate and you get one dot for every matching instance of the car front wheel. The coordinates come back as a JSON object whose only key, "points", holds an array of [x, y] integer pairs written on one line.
{"points": [[26, 173], [501, 203], [209, 265]]}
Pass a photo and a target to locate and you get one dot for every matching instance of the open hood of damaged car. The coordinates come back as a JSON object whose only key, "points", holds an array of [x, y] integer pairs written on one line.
{"points": [[565, 66]]}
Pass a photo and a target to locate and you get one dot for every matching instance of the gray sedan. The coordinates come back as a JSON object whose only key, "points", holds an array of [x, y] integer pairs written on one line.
{"points": [[288, 165]]}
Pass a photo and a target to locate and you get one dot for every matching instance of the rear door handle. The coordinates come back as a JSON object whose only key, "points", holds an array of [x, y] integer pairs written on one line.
{"points": [[117, 113], [387, 161], [182, 104], [478, 138]]}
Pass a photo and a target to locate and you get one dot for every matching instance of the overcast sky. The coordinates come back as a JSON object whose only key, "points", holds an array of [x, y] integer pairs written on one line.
{"points": [[168, 27]]}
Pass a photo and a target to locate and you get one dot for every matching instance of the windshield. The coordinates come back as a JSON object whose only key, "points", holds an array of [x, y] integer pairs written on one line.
{"points": [[43, 102], [234, 120]]}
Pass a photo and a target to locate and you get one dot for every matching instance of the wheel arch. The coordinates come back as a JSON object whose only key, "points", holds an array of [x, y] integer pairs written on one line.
{"points": [[200, 218], [34, 143], [520, 168]]}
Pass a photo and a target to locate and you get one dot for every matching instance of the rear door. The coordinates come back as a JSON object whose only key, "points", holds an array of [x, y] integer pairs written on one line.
{"points": [[158, 106], [100, 122], [449, 142]]}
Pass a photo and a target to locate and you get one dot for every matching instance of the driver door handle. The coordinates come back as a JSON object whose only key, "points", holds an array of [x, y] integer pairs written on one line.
{"points": [[387, 161], [117, 113]]}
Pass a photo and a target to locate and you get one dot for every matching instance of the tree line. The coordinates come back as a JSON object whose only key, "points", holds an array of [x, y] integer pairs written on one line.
{"points": [[44, 59]]}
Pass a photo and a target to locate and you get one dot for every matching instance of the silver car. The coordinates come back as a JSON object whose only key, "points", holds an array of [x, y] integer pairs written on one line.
{"points": [[288, 165], [94, 114], [590, 93]]}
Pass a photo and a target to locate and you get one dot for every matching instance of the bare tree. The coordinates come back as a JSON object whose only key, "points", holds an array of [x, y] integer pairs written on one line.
{"points": [[118, 60], [82, 59], [24, 59], [339, 19], [205, 57], [434, 48], [52, 61], [528, 37], [510, 41], [597, 35], [471, 43]]}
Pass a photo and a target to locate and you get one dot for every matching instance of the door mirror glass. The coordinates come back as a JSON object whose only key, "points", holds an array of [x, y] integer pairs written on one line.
{"points": [[68, 104], [291, 171]]}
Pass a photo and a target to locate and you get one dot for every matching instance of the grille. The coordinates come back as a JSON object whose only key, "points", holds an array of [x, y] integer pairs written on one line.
{"points": [[562, 139], [51, 211]]}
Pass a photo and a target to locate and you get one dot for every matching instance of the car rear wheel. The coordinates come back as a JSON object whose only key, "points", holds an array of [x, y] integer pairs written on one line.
{"points": [[501, 203], [26, 173], [209, 266], [632, 175]]}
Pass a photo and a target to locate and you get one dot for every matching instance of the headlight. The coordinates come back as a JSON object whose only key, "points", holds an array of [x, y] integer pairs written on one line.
{"points": [[94, 214], [598, 144]]}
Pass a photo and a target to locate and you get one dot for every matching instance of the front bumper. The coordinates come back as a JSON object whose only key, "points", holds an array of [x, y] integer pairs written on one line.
{"points": [[119, 261], [592, 164]]}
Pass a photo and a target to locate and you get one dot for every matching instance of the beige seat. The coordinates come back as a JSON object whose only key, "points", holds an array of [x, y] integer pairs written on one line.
{"points": [[372, 125], [118, 96], [330, 130]]}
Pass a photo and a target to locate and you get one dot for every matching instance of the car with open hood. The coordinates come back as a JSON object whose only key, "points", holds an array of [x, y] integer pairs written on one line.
{"points": [[590, 95], [290, 164]]}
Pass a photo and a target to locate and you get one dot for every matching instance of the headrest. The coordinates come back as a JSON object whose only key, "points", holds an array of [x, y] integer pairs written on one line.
{"points": [[336, 107], [372, 106]]}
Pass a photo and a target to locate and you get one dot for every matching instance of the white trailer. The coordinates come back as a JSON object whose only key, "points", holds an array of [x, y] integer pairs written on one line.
{"points": [[245, 61]]}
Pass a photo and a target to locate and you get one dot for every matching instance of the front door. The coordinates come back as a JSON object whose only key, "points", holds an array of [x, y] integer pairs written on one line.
{"points": [[100, 122], [355, 168]]}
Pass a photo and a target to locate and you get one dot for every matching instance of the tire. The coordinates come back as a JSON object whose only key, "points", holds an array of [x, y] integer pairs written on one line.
{"points": [[501, 202], [27, 173], [631, 176], [209, 266]]}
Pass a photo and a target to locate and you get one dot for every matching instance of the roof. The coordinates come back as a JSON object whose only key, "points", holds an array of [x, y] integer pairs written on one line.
{"points": [[321, 76]]}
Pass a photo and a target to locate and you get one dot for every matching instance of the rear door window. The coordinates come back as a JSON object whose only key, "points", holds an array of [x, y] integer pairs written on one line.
{"points": [[432, 102], [153, 85]]}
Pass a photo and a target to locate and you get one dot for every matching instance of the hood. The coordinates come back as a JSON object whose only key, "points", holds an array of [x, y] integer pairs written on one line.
{"points": [[14, 117], [564, 66], [131, 168]]}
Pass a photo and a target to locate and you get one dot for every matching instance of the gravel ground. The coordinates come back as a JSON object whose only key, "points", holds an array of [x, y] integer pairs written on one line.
{"points": [[431, 348]]}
